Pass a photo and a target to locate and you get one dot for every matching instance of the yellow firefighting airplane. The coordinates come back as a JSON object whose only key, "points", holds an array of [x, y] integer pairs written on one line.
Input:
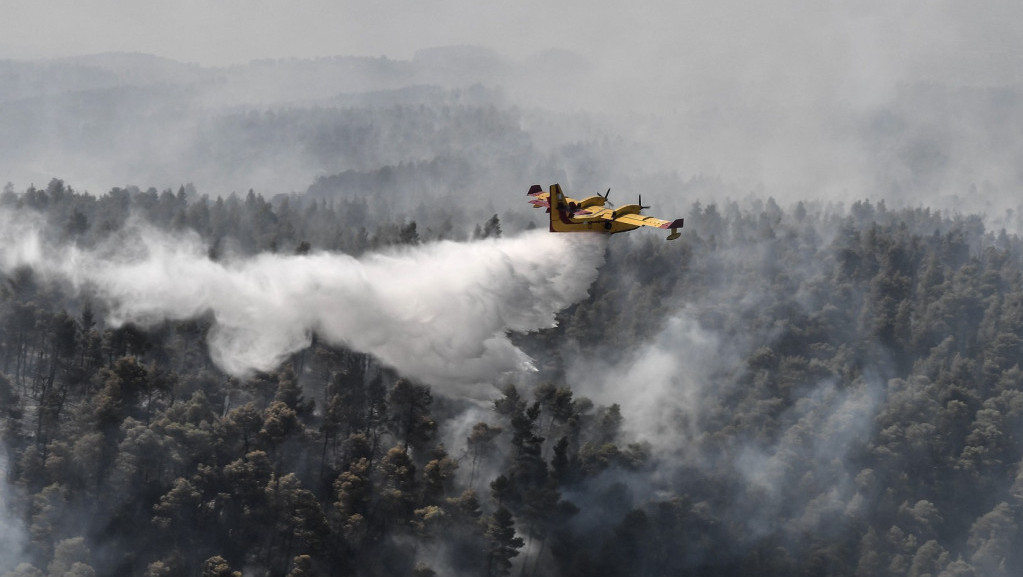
{"points": [[591, 215]]}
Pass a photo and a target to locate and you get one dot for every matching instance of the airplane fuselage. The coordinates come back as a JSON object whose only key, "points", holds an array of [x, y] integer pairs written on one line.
{"points": [[593, 215], [577, 218]]}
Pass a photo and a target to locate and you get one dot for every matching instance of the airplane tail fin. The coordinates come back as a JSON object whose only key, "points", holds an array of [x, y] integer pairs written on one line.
{"points": [[557, 201], [554, 203], [557, 197]]}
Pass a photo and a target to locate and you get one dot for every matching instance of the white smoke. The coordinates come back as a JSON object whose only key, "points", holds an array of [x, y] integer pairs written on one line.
{"points": [[437, 312], [667, 382], [680, 382]]}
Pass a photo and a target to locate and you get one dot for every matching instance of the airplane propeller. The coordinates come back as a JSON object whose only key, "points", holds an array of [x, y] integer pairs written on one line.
{"points": [[606, 201]]}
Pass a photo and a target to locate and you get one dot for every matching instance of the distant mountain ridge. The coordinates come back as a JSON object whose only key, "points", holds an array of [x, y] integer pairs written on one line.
{"points": [[287, 79]]}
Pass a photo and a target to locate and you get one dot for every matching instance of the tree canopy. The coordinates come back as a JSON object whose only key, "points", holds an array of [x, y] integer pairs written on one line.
{"points": [[855, 410]]}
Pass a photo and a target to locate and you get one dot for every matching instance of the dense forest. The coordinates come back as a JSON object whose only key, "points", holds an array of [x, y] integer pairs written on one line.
{"points": [[804, 390]]}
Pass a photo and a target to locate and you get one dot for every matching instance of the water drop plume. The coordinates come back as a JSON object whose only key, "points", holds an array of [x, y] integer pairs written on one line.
{"points": [[439, 312]]}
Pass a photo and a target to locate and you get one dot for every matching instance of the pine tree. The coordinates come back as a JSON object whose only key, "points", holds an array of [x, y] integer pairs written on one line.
{"points": [[504, 545]]}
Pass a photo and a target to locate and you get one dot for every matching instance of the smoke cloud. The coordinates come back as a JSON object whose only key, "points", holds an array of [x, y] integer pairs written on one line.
{"points": [[437, 312], [667, 380]]}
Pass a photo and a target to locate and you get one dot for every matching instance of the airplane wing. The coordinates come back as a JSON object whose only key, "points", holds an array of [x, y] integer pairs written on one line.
{"points": [[639, 219]]}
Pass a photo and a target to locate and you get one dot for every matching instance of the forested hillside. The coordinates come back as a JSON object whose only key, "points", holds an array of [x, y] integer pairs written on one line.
{"points": [[810, 389], [458, 120]]}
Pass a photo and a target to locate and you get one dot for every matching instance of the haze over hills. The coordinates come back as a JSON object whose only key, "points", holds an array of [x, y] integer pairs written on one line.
{"points": [[275, 125]]}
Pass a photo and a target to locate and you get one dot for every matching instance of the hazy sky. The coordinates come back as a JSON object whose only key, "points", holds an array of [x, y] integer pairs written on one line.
{"points": [[688, 36], [236, 31], [654, 54]]}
